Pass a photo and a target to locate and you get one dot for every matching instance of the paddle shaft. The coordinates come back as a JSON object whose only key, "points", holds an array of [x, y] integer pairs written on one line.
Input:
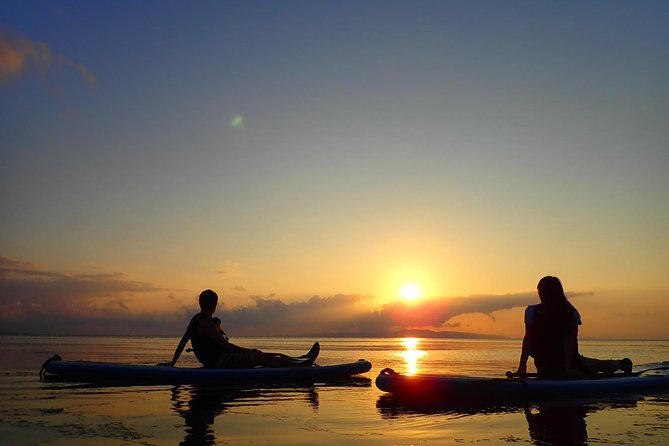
{"points": [[510, 374]]}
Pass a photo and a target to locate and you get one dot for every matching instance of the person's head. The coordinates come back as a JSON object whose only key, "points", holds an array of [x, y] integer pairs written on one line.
{"points": [[208, 300], [550, 291]]}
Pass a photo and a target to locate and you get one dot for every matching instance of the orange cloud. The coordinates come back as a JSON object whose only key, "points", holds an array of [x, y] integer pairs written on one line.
{"points": [[20, 55]]}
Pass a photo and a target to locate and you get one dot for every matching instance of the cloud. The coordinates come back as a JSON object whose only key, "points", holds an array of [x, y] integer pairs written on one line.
{"points": [[356, 314], [231, 268], [28, 293], [272, 317], [35, 300], [435, 312], [20, 55]]}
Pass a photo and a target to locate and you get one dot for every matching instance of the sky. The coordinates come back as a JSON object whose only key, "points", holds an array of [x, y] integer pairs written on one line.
{"points": [[307, 159]]}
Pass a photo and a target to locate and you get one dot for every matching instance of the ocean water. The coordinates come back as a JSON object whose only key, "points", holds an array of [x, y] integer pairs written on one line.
{"points": [[353, 412]]}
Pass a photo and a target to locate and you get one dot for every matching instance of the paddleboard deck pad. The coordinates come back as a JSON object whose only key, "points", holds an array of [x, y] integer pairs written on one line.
{"points": [[106, 371]]}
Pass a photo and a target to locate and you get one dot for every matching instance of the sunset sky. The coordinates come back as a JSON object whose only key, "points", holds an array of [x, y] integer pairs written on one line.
{"points": [[307, 159]]}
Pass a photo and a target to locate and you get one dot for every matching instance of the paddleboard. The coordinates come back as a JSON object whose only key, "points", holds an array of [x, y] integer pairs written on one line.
{"points": [[106, 371], [446, 387]]}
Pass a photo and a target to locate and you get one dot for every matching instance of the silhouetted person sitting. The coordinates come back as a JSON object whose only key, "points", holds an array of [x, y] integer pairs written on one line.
{"points": [[551, 338], [214, 350]]}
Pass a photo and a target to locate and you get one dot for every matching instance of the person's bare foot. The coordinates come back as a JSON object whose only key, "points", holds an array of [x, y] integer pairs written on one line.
{"points": [[311, 355]]}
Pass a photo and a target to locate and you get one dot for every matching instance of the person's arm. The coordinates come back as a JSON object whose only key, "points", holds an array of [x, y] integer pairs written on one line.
{"points": [[180, 347], [525, 351], [527, 341]]}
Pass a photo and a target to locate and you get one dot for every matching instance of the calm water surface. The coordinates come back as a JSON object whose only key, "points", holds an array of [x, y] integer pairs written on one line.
{"points": [[353, 412]]}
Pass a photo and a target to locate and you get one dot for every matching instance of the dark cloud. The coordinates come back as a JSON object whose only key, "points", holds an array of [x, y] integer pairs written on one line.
{"points": [[35, 300], [356, 314], [182, 308], [99, 323], [271, 316], [28, 293]]}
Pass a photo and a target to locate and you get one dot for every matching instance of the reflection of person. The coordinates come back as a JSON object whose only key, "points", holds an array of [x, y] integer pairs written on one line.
{"points": [[558, 425], [551, 338], [200, 405], [213, 349]]}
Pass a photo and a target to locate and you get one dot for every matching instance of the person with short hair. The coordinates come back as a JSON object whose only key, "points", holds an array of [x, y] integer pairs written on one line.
{"points": [[213, 348]]}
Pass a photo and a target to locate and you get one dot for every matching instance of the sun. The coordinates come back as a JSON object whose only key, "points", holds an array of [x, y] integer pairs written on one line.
{"points": [[410, 291]]}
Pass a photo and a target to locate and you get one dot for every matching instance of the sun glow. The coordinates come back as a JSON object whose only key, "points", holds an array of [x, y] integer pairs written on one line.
{"points": [[411, 355], [410, 291]]}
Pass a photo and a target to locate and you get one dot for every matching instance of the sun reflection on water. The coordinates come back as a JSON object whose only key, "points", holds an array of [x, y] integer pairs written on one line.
{"points": [[411, 355]]}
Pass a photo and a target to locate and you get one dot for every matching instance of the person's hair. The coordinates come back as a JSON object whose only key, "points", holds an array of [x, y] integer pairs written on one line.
{"points": [[208, 299], [552, 294]]}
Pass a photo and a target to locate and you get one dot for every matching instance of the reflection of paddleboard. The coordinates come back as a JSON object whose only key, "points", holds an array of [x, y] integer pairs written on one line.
{"points": [[97, 371], [468, 388]]}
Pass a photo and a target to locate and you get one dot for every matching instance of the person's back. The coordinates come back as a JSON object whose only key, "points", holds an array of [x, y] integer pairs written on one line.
{"points": [[551, 338], [552, 329], [205, 349]]}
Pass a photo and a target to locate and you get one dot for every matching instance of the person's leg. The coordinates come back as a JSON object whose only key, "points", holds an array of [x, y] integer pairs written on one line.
{"points": [[240, 358], [607, 366], [236, 359], [280, 360], [263, 359]]}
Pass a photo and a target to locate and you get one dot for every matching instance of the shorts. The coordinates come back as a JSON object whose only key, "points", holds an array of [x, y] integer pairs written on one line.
{"points": [[557, 370], [235, 360]]}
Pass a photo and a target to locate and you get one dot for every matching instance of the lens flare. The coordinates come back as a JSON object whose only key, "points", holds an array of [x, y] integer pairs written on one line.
{"points": [[237, 122]]}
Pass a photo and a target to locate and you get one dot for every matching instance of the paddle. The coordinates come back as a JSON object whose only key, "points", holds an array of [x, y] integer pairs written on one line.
{"points": [[510, 374], [652, 369]]}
